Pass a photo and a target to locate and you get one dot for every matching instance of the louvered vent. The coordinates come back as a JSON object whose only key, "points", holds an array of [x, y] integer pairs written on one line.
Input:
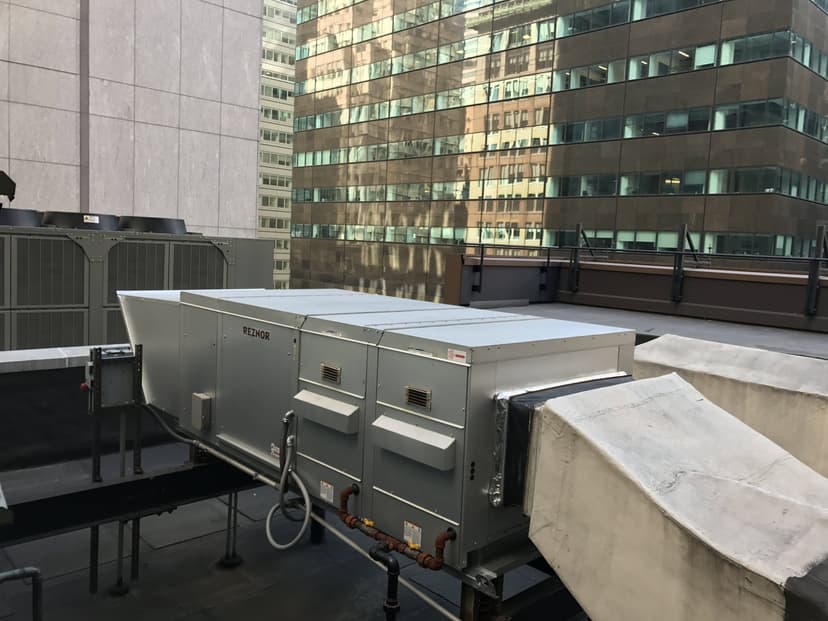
{"points": [[3, 300], [3, 344], [116, 331], [50, 329], [50, 272], [331, 374], [421, 397], [197, 266], [134, 266]]}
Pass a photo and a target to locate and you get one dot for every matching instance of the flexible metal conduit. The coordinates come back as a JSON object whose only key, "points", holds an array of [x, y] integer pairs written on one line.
{"points": [[37, 587], [281, 486], [268, 481]]}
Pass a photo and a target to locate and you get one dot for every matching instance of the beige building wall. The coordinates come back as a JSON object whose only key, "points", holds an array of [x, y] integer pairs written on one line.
{"points": [[133, 107]]}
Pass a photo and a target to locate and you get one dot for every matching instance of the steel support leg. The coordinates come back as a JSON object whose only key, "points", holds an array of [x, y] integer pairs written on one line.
{"points": [[317, 531], [94, 544], [121, 587], [231, 559], [137, 464], [96, 449], [477, 606], [136, 545]]}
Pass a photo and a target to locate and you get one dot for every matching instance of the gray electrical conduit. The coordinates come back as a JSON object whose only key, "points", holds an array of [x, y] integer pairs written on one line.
{"points": [[277, 484]]}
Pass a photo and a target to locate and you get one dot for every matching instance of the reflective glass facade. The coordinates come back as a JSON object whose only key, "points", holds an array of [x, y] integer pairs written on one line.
{"points": [[422, 125], [276, 132]]}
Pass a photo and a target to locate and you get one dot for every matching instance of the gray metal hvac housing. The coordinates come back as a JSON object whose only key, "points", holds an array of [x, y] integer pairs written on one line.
{"points": [[394, 395], [58, 286]]}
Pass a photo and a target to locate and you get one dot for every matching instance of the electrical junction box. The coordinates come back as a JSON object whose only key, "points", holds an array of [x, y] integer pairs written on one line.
{"points": [[396, 396]]}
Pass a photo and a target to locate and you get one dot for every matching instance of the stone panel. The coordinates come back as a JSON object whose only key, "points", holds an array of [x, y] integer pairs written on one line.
{"points": [[111, 99], [112, 39], [45, 187], [111, 165], [41, 39], [156, 171], [241, 63], [43, 134], [198, 185], [42, 87], [237, 201], [157, 107], [158, 44], [201, 50]]}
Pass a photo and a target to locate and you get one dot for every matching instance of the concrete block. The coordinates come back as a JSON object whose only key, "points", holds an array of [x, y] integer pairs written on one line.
{"points": [[237, 202], [201, 49], [242, 59], [156, 171], [43, 87], [68, 8], [46, 187], [200, 115], [111, 165], [250, 7], [159, 107], [239, 122], [111, 99], [41, 39], [44, 134], [158, 44], [783, 397], [198, 179], [654, 503], [112, 39]]}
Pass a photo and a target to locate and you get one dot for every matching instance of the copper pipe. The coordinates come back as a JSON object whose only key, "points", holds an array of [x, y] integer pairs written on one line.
{"points": [[423, 559]]}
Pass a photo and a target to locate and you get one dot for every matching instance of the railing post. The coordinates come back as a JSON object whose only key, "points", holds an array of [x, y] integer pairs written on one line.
{"points": [[820, 255], [478, 269], [575, 260], [678, 266]]}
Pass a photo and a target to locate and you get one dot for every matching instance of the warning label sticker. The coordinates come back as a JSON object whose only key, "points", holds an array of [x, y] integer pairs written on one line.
{"points": [[274, 450], [458, 355], [412, 534], [326, 491]]}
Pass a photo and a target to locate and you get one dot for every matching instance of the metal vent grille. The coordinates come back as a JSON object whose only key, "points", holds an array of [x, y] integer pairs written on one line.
{"points": [[50, 329], [3, 300], [330, 373], [50, 272], [197, 267], [3, 344], [421, 397], [116, 331], [134, 265]]}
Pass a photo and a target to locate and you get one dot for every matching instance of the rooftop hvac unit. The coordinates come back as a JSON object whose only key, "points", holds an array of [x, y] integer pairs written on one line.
{"points": [[393, 398], [143, 224], [73, 220], [20, 217]]}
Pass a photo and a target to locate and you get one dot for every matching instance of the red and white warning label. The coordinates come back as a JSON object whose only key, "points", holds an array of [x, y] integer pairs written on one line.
{"points": [[412, 534], [326, 491], [458, 355]]}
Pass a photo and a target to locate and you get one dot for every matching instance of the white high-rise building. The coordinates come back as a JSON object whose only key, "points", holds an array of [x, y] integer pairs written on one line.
{"points": [[276, 131]]}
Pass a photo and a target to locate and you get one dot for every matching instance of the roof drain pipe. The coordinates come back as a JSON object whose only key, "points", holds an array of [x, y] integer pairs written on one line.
{"points": [[382, 554], [286, 458]]}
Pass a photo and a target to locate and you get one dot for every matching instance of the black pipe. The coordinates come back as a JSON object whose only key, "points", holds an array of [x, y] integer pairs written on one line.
{"points": [[37, 587], [381, 554]]}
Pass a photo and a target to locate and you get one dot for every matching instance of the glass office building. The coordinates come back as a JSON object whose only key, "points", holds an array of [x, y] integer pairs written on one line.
{"points": [[425, 124]]}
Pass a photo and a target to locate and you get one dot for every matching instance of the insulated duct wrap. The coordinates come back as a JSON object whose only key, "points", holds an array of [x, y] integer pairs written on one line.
{"points": [[653, 503], [783, 397]]}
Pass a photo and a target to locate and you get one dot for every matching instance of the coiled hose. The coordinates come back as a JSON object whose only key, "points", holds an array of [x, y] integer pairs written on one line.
{"points": [[288, 473]]}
